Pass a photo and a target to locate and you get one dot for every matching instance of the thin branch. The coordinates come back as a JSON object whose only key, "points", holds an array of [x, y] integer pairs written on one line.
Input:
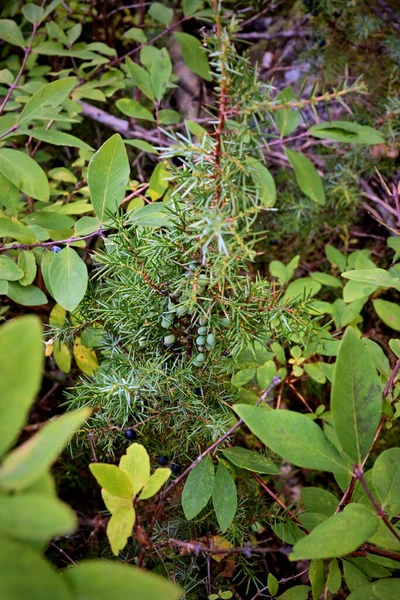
{"points": [[359, 473], [276, 499], [391, 381]]}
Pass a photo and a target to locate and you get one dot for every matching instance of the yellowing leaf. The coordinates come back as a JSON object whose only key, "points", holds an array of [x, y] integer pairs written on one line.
{"points": [[119, 528], [85, 358], [156, 481], [62, 357], [114, 480], [136, 464]]}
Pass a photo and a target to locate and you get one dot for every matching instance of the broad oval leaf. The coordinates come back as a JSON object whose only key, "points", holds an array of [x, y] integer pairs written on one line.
{"points": [[24, 173], [136, 464], [339, 535], [194, 55], [160, 72], [108, 175], [287, 119], [224, 497], [294, 437], [21, 344], [119, 528], [263, 181], [140, 77], [318, 500], [356, 397], [198, 488], [250, 460], [104, 580], [113, 479], [27, 263], [10, 33], [48, 96], [389, 312], [85, 358], [343, 131], [25, 574], [35, 517], [134, 109], [27, 295], [378, 277], [32, 459], [307, 176], [9, 269], [155, 483], [68, 278], [386, 480], [58, 138]]}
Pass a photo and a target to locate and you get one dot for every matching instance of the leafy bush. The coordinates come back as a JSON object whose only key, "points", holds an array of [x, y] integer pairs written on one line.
{"points": [[152, 247]]}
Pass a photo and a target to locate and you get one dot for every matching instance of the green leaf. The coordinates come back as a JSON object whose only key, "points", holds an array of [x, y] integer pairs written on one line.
{"points": [[394, 243], [160, 72], [33, 458], [194, 55], [119, 528], [319, 500], [9, 269], [142, 145], [86, 225], [134, 109], [334, 580], [395, 346], [250, 460], [389, 312], [224, 497], [151, 215], [378, 357], [387, 589], [21, 344], [294, 437], [326, 279], [316, 574], [161, 13], [355, 398], [103, 580], [62, 357], [273, 584], [190, 7], [168, 117], [24, 173], [35, 517], [25, 574], [155, 483], [9, 195], [27, 263], [356, 290], [47, 97], [198, 488], [50, 219], [303, 287], [298, 592], [57, 138], [136, 464], [113, 479], [263, 181], [158, 182], [343, 131], [353, 577], [313, 370], [307, 176], [33, 13], [265, 374], [28, 295], [10, 33], [378, 277], [335, 257], [386, 480], [339, 535], [344, 314], [136, 34], [141, 78], [68, 278], [287, 119], [242, 377], [108, 176]]}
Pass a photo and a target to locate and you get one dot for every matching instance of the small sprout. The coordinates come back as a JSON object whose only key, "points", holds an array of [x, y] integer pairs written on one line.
{"points": [[130, 434], [169, 340]]}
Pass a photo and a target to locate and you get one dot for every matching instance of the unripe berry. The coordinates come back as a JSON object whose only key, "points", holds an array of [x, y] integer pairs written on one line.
{"points": [[210, 339], [200, 340], [166, 323], [169, 340], [202, 330]]}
